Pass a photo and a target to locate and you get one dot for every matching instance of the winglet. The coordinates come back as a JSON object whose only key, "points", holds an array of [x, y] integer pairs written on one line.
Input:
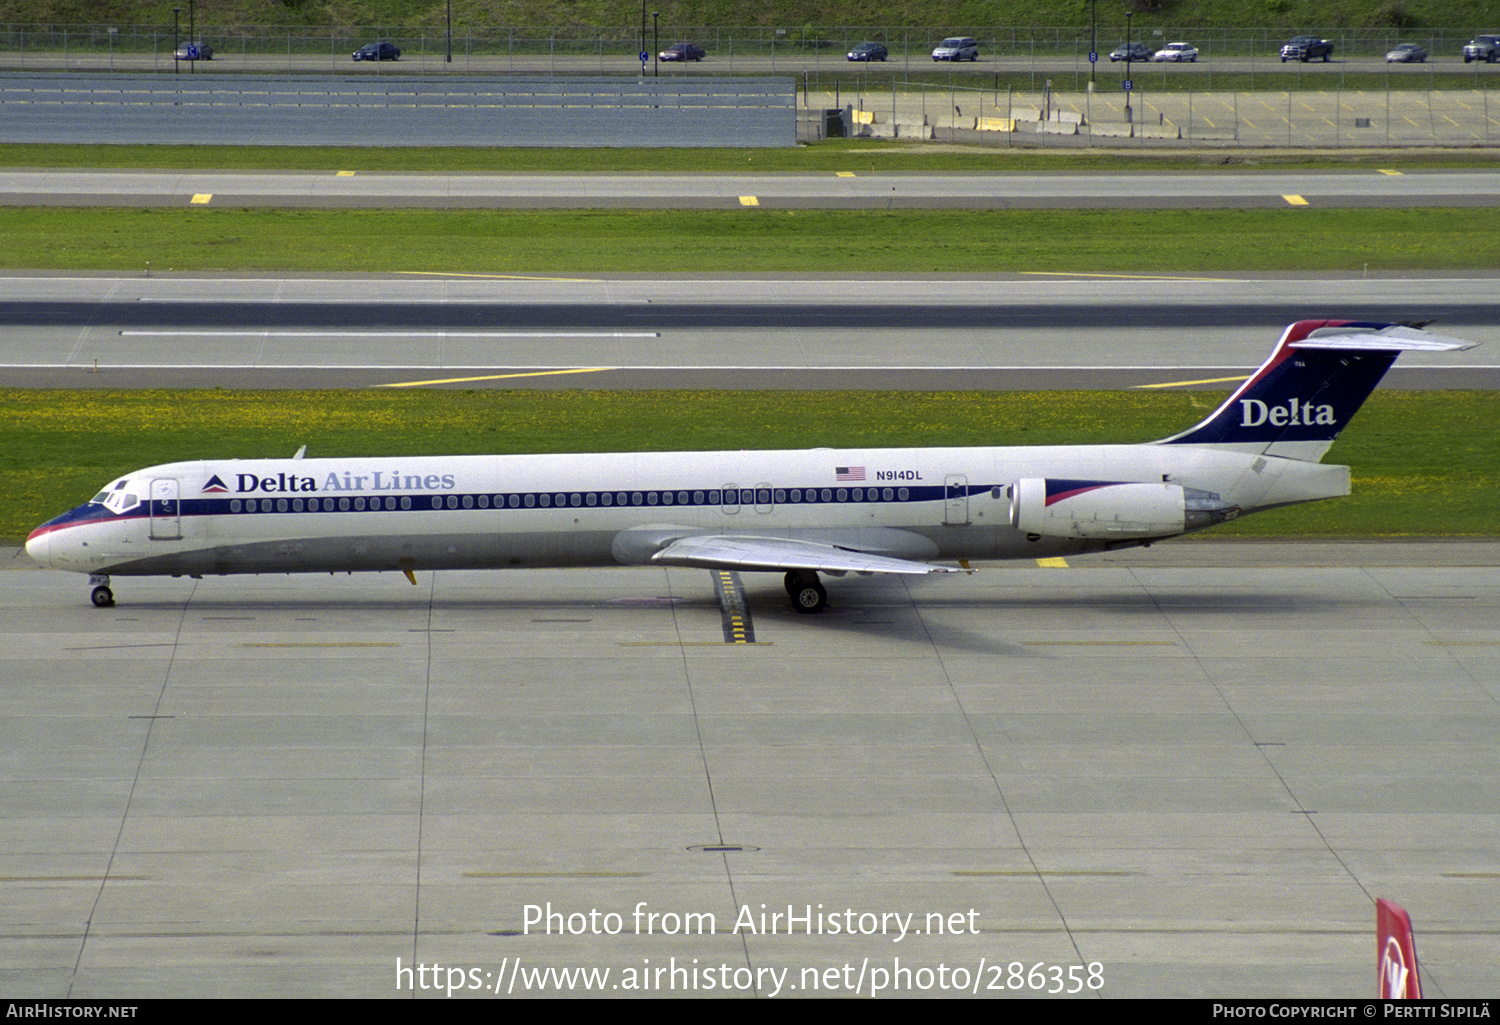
{"points": [[1396, 974]]}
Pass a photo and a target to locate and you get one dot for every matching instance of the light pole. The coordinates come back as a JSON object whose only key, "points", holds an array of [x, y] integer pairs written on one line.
{"points": [[655, 45], [176, 14], [449, 58], [1093, 44], [1128, 54], [643, 37], [192, 40]]}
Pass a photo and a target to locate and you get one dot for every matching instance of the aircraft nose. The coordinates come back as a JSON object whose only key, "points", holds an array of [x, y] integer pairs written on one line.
{"points": [[39, 546]]}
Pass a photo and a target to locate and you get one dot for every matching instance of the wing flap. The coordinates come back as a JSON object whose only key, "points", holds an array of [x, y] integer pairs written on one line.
{"points": [[736, 551]]}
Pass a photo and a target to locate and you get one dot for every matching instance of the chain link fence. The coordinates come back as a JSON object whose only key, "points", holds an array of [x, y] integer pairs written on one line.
{"points": [[89, 41]]}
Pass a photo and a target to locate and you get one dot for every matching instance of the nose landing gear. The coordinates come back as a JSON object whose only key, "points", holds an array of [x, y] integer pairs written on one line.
{"points": [[806, 591]]}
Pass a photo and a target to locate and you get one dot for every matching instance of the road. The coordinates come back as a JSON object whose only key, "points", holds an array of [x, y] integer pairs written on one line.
{"points": [[757, 61], [1006, 332], [845, 190]]}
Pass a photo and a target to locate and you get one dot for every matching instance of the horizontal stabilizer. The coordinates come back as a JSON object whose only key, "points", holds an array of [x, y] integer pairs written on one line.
{"points": [[751, 552], [1390, 338]]}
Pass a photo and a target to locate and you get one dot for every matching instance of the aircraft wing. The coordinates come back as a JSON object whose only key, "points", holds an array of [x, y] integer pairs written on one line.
{"points": [[741, 551]]}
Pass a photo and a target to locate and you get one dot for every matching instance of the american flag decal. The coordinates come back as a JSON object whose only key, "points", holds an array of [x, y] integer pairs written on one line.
{"points": [[849, 473]]}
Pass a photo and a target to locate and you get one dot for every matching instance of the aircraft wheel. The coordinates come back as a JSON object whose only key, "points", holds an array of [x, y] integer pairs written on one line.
{"points": [[102, 597], [807, 592]]}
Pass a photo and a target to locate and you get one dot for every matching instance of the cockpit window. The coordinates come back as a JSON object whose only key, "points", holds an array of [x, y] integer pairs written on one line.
{"points": [[115, 498], [117, 501]]}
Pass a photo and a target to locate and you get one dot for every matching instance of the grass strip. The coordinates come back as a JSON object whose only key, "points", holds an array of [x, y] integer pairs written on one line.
{"points": [[1425, 463], [831, 156], [757, 240]]}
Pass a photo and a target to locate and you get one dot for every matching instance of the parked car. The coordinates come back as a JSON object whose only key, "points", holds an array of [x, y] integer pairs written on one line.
{"points": [[194, 52], [957, 48], [1178, 52], [1482, 48], [1131, 51], [1407, 53], [682, 52], [1306, 48], [869, 52]]}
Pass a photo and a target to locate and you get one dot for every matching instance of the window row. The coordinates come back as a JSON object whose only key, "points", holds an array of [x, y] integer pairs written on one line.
{"points": [[577, 499]]}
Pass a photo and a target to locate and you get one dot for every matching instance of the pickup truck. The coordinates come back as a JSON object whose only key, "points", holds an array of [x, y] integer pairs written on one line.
{"points": [[1306, 48]]}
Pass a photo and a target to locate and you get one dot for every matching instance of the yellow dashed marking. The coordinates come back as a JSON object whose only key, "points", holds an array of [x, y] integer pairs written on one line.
{"points": [[1123, 277], [494, 377], [1096, 644], [328, 644], [497, 277], [1031, 873], [1185, 384], [691, 644], [552, 875], [749, 201], [1054, 563], [345, 174], [1295, 200], [203, 197], [1384, 171], [845, 174]]}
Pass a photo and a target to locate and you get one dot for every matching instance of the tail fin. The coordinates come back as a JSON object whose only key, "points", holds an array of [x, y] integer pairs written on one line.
{"points": [[1396, 972], [1316, 379]]}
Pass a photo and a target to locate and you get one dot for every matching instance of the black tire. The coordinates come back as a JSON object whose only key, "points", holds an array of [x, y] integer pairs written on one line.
{"points": [[806, 591], [102, 597], [810, 598]]}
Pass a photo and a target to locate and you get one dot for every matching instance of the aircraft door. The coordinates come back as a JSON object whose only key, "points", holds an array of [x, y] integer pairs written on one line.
{"points": [[763, 498], [166, 510], [955, 500]]}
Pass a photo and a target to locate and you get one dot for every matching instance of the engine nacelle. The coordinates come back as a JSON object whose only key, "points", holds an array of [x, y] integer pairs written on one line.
{"points": [[1106, 510]]}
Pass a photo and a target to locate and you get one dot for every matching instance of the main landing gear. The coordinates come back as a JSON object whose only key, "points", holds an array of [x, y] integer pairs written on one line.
{"points": [[102, 596], [807, 592]]}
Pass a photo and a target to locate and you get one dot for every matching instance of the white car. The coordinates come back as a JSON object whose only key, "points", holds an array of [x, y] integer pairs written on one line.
{"points": [[1176, 52]]}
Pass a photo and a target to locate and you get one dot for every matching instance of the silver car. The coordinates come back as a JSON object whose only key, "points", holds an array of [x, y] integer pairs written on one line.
{"points": [[957, 48], [1407, 53]]}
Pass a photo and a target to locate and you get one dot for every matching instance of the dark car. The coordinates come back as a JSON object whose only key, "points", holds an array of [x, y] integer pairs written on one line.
{"points": [[1306, 48], [1131, 51], [683, 52], [869, 52], [1482, 48], [194, 52], [381, 51]]}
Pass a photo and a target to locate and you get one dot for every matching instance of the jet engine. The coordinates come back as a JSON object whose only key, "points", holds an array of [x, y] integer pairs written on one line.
{"points": [[1106, 510]]}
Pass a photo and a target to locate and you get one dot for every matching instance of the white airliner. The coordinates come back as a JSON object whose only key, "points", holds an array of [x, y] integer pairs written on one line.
{"points": [[801, 513]]}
